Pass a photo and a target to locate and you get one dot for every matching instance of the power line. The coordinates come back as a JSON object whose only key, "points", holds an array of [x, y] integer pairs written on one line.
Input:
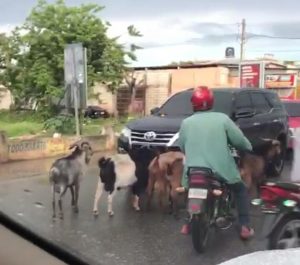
{"points": [[254, 35]]}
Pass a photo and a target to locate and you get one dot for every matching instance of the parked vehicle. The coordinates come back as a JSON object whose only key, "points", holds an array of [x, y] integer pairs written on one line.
{"points": [[209, 205], [96, 112], [258, 112], [293, 109], [280, 203]]}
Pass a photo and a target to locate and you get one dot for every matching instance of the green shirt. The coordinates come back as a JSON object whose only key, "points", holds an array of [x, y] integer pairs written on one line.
{"points": [[204, 138]]}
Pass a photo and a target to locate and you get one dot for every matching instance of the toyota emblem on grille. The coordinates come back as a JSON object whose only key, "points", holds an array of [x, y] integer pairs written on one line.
{"points": [[150, 136]]}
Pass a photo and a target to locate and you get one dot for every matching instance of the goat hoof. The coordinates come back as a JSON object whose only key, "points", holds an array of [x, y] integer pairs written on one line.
{"points": [[75, 209], [137, 209], [96, 213], [61, 216], [111, 213]]}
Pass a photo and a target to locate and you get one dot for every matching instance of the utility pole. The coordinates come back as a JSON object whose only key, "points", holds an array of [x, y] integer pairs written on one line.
{"points": [[243, 40], [242, 48]]}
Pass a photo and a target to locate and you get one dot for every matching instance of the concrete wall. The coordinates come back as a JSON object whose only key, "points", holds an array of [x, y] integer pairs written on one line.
{"points": [[36, 148], [105, 98], [158, 89]]}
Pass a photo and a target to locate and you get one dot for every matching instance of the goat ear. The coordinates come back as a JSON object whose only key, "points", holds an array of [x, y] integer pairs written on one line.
{"points": [[73, 146], [101, 161]]}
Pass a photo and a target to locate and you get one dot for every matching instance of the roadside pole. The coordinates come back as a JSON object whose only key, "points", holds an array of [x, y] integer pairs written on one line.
{"points": [[75, 90], [242, 48]]}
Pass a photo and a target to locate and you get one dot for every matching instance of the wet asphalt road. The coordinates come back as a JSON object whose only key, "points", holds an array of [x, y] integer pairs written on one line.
{"points": [[127, 238]]}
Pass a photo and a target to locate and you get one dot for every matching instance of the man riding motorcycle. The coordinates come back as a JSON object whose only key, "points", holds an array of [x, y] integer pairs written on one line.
{"points": [[204, 139]]}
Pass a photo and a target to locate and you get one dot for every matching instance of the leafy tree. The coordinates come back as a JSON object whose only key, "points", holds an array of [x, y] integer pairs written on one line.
{"points": [[35, 52]]}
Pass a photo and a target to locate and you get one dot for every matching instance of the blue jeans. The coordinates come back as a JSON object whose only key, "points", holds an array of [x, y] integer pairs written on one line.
{"points": [[240, 193]]}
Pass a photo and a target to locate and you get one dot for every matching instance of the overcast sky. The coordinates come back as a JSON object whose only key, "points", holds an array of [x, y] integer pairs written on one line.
{"points": [[175, 30]]}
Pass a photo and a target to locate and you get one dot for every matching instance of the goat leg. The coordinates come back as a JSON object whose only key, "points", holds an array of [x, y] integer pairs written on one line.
{"points": [[73, 196], [109, 203], [53, 201], [174, 198], [63, 190], [76, 198], [150, 189], [97, 197]]}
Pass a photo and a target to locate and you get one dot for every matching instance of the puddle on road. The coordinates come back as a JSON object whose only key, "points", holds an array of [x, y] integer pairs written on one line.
{"points": [[39, 205], [27, 191]]}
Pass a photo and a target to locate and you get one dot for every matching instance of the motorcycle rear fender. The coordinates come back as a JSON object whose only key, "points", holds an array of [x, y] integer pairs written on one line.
{"points": [[196, 206]]}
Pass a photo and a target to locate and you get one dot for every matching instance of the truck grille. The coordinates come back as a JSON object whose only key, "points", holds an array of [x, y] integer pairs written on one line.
{"points": [[162, 138]]}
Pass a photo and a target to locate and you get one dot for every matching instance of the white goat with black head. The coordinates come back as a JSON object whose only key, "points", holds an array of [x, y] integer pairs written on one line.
{"points": [[115, 174], [67, 172]]}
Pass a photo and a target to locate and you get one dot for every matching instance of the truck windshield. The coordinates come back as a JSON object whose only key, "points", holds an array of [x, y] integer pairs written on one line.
{"points": [[292, 108], [180, 104]]}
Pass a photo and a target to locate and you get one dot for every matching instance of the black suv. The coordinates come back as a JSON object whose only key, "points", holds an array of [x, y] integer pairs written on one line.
{"points": [[259, 113]]}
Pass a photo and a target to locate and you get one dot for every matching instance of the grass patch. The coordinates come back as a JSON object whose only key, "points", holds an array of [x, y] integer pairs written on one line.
{"points": [[30, 123], [20, 123]]}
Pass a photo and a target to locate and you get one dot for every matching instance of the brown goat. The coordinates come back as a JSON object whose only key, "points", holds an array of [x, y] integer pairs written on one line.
{"points": [[253, 167], [165, 171]]}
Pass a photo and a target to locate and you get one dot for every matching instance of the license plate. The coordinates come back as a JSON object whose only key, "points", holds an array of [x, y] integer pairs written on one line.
{"points": [[197, 193]]}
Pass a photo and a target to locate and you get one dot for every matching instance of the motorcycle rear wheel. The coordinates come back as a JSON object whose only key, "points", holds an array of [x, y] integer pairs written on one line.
{"points": [[200, 231]]}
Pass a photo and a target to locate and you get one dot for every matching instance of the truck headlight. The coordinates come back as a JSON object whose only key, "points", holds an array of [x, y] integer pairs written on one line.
{"points": [[126, 132]]}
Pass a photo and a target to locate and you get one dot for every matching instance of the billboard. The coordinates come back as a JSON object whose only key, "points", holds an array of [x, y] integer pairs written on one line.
{"points": [[280, 80], [251, 75]]}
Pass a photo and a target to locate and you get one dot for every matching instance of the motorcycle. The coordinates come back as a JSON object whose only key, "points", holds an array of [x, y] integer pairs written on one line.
{"points": [[280, 204], [209, 205]]}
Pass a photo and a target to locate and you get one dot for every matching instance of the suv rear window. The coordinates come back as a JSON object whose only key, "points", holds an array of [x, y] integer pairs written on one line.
{"points": [[180, 104], [292, 108]]}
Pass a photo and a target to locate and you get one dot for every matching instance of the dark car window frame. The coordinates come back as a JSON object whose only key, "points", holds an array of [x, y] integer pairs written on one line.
{"points": [[257, 106]]}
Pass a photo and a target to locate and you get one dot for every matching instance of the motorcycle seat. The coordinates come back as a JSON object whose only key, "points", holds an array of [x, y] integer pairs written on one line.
{"points": [[291, 186]]}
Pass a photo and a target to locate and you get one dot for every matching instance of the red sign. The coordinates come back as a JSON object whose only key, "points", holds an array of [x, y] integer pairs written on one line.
{"points": [[250, 75], [280, 81]]}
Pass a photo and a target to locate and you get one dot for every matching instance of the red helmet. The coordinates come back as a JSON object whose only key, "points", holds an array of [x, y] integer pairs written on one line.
{"points": [[202, 98]]}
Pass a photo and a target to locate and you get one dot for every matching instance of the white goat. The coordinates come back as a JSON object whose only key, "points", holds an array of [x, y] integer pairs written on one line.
{"points": [[67, 172], [114, 175]]}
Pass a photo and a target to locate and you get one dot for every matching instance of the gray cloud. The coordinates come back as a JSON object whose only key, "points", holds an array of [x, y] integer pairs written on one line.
{"points": [[12, 11]]}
